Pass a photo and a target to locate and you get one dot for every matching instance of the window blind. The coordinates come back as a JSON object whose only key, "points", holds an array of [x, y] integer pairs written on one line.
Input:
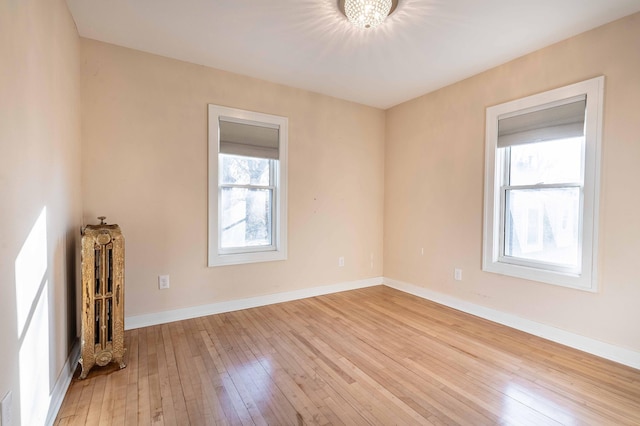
{"points": [[249, 140], [552, 123]]}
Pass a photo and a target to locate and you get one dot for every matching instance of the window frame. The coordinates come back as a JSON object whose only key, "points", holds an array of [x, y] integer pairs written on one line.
{"points": [[493, 259], [217, 256]]}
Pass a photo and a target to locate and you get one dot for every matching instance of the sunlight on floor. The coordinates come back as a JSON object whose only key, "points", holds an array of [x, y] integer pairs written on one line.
{"points": [[519, 401], [258, 372]]}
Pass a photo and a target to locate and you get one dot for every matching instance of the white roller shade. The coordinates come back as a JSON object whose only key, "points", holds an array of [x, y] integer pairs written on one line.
{"points": [[552, 123], [249, 140]]}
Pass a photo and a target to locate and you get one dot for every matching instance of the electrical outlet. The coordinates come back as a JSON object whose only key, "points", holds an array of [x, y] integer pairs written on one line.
{"points": [[457, 274], [341, 261], [163, 282], [5, 410]]}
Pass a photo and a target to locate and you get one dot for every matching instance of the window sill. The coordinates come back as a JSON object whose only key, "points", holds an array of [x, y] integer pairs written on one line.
{"points": [[242, 258], [579, 282]]}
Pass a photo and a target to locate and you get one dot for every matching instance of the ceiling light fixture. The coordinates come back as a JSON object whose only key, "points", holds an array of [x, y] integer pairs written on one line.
{"points": [[367, 13]]}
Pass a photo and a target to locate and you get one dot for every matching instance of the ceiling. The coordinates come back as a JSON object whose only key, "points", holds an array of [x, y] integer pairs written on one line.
{"points": [[424, 45]]}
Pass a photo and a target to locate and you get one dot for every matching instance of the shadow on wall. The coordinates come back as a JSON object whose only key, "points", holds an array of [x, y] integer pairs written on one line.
{"points": [[72, 253]]}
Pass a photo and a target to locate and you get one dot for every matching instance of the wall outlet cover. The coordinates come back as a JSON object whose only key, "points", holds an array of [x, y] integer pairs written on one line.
{"points": [[163, 282], [457, 274]]}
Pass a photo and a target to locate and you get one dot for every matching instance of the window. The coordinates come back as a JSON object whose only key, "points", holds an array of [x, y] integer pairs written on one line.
{"points": [[247, 186], [541, 186]]}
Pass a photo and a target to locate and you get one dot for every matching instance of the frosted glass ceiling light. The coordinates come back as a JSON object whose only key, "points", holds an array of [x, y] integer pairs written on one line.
{"points": [[367, 13]]}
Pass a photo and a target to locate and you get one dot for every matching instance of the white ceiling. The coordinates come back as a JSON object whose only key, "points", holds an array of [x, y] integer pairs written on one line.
{"points": [[422, 46]]}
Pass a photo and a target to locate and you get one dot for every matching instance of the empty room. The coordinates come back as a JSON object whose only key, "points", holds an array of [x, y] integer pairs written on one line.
{"points": [[336, 212]]}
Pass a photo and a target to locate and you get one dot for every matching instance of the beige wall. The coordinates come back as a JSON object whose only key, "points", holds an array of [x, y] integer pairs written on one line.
{"points": [[39, 171], [145, 168], [434, 164]]}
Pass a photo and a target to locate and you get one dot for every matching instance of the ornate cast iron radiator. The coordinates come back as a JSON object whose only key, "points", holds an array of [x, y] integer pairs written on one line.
{"points": [[102, 339]]}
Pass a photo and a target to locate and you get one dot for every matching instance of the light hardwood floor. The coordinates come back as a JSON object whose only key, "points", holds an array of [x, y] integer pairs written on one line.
{"points": [[372, 356]]}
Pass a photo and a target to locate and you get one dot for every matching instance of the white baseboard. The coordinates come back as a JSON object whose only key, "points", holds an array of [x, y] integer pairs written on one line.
{"points": [[146, 320], [62, 383], [576, 341]]}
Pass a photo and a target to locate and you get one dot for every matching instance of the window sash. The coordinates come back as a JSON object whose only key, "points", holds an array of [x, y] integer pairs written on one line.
{"points": [[505, 187], [273, 173], [503, 231]]}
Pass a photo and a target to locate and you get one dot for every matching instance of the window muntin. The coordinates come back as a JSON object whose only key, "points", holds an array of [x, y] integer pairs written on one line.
{"points": [[541, 186], [247, 186]]}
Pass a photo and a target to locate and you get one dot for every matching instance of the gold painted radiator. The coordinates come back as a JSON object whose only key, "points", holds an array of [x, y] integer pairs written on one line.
{"points": [[102, 334]]}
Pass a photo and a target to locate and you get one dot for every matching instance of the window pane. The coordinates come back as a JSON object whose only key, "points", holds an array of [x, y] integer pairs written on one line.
{"points": [[244, 170], [543, 225], [246, 217], [558, 161]]}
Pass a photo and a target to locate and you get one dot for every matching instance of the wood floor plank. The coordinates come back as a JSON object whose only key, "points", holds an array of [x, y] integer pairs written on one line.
{"points": [[190, 384], [296, 366], [144, 406], [173, 402], [84, 402], [247, 375], [229, 377], [373, 356], [106, 411], [227, 392], [306, 375], [259, 375], [221, 405], [155, 390], [284, 374], [132, 394], [116, 414]]}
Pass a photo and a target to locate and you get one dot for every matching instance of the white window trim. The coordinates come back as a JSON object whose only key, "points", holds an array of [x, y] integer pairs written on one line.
{"points": [[278, 250], [587, 278]]}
